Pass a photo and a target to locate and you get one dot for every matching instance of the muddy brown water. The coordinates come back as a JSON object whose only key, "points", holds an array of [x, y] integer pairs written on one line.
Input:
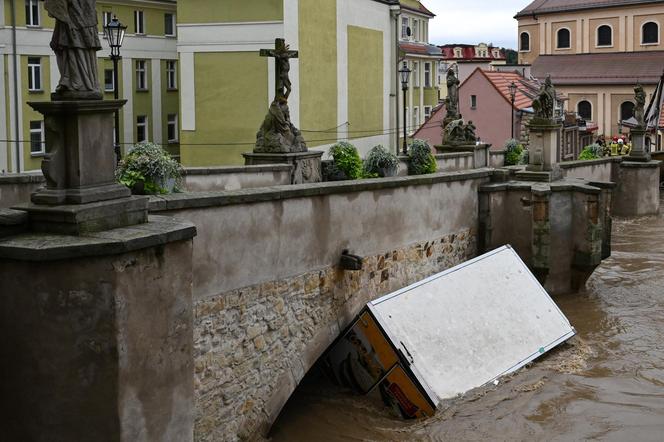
{"points": [[606, 384]]}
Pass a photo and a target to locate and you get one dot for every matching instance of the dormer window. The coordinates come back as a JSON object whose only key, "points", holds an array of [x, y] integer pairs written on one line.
{"points": [[457, 53]]}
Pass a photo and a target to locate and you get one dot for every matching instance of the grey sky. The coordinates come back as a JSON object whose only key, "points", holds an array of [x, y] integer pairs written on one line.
{"points": [[474, 21]]}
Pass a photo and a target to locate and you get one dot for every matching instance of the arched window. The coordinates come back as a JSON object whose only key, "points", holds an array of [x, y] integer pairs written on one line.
{"points": [[650, 33], [564, 38], [525, 41], [604, 36], [626, 110], [585, 110]]}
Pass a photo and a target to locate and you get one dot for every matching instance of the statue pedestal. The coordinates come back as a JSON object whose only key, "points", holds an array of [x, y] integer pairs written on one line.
{"points": [[638, 152], [543, 148], [480, 152], [81, 194], [637, 192], [306, 165]]}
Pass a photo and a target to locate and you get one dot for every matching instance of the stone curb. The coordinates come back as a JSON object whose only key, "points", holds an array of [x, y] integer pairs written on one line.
{"points": [[237, 169], [180, 201], [48, 247]]}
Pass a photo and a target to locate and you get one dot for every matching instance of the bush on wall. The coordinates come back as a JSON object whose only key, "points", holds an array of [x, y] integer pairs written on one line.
{"points": [[420, 159], [514, 153], [347, 160], [380, 163], [149, 169], [591, 152]]}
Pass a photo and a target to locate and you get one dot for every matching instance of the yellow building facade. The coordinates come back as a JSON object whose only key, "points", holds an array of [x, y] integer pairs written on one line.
{"points": [[148, 75]]}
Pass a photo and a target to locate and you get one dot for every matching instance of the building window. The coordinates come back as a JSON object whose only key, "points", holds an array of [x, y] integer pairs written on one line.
{"points": [[34, 74], [172, 128], [457, 53], [106, 17], [650, 33], [585, 110], [139, 22], [169, 25], [427, 112], [404, 28], [32, 12], [473, 101], [416, 74], [427, 74], [141, 75], [564, 38], [36, 137], [171, 75], [604, 36], [109, 80], [626, 110], [141, 129], [524, 40], [416, 29]]}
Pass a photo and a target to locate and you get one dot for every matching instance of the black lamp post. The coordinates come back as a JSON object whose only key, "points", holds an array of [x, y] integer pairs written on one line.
{"points": [[405, 75], [512, 88], [114, 33]]}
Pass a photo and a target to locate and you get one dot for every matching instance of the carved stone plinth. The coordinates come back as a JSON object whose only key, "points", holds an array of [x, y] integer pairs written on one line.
{"points": [[79, 165], [81, 194], [306, 165], [638, 152], [543, 147], [480, 152]]}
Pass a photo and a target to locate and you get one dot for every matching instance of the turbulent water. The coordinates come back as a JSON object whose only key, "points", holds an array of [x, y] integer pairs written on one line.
{"points": [[606, 384]]}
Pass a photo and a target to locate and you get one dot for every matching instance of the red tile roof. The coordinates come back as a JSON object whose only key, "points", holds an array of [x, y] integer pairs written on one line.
{"points": [[420, 49], [468, 52], [553, 6], [526, 90], [604, 68]]}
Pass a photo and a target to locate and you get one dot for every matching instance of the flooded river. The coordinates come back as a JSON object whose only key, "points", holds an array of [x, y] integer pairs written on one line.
{"points": [[606, 384]]}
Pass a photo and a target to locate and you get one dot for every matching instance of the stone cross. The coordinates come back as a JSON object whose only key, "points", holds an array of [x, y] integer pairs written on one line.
{"points": [[281, 55]]}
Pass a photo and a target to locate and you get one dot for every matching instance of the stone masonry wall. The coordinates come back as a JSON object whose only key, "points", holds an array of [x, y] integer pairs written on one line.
{"points": [[253, 345]]}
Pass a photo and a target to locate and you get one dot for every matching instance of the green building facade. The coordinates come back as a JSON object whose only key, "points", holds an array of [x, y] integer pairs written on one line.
{"points": [[148, 75], [344, 82]]}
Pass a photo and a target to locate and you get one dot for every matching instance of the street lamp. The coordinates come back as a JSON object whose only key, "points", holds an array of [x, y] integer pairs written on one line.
{"points": [[405, 75], [512, 89], [114, 31]]}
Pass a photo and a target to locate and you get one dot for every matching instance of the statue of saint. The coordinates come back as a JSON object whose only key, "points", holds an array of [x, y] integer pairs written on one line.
{"points": [[545, 102], [75, 43], [639, 109], [452, 100]]}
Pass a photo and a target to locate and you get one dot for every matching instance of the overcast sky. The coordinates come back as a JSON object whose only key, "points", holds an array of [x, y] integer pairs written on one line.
{"points": [[474, 21]]}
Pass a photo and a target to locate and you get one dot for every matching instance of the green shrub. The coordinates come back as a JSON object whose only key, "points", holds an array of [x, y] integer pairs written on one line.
{"points": [[591, 152], [380, 163], [420, 159], [149, 169], [513, 153], [347, 160]]}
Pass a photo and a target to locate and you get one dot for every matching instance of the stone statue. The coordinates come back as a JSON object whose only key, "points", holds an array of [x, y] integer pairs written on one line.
{"points": [[639, 109], [75, 43], [545, 102], [452, 100], [457, 132], [277, 133]]}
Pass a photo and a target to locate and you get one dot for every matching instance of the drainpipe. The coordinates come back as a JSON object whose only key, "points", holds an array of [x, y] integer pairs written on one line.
{"points": [[17, 133], [396, 13]]}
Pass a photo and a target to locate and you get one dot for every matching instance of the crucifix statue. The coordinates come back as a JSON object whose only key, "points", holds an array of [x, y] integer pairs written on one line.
{"points": [[282, 55], [278, 134]]}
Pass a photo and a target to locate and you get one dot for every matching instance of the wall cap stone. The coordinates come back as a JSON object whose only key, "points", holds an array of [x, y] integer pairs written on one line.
{"points": [[222, 170], [22, 178], [640, 165], [581, 163], [49, 247], [540, 188], [179, 201]]}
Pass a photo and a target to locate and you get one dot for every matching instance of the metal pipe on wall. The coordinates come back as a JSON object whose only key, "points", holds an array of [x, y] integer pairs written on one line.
{"points": [[17, 107]]}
